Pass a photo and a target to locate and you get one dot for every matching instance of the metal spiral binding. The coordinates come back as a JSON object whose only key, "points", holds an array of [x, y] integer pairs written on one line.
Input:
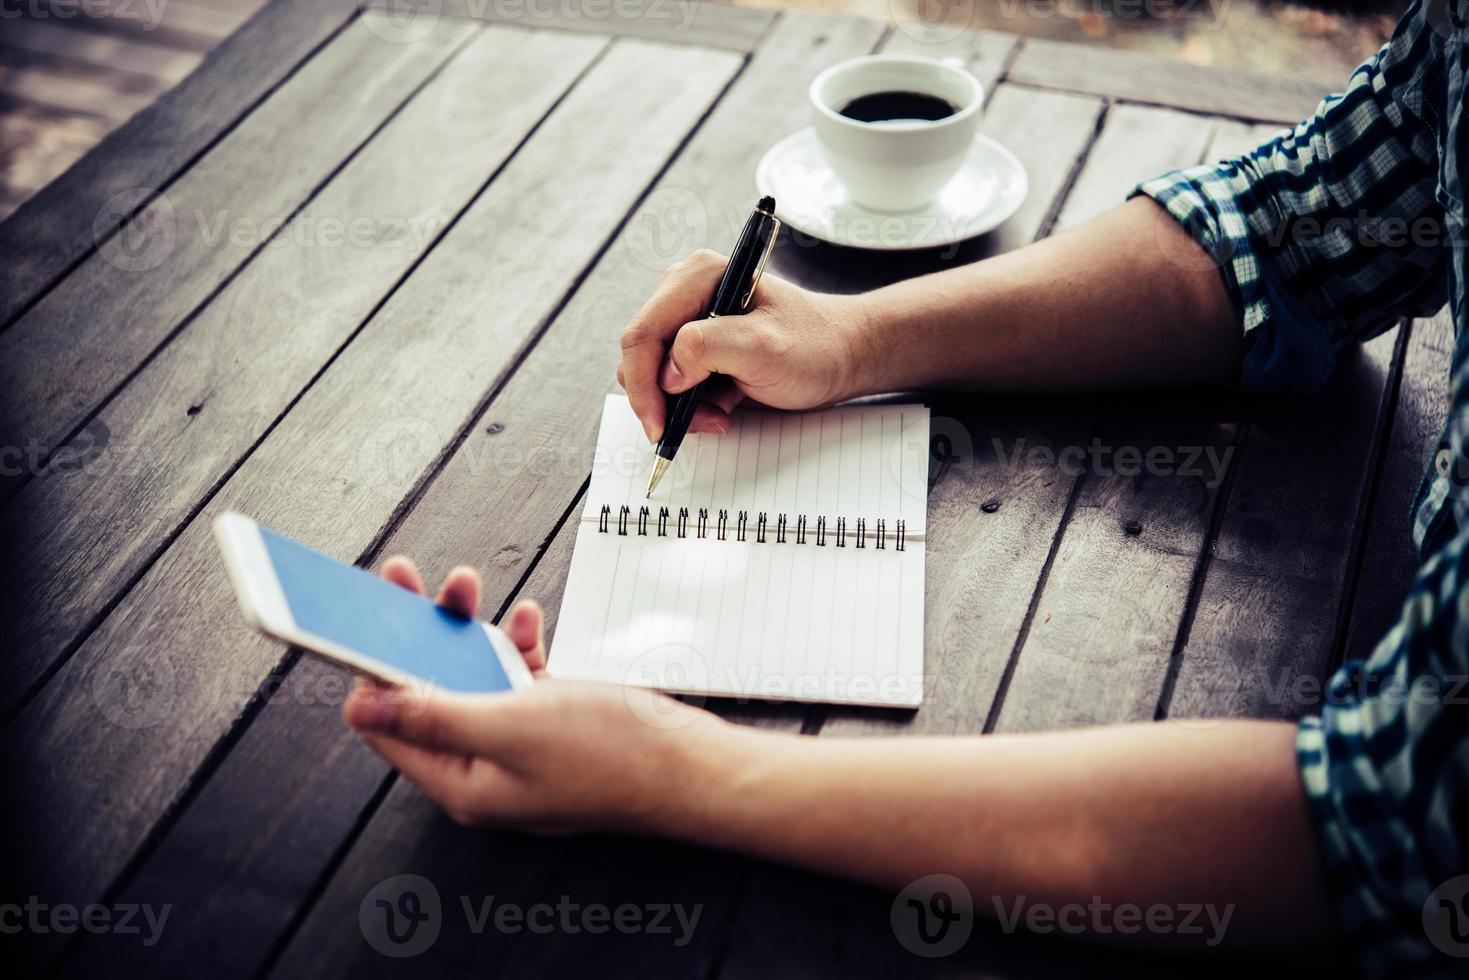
{"points": [[879, 536]]}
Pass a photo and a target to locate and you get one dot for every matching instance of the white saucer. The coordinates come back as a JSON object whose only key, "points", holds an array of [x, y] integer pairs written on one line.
{"points": [[987, 190]]}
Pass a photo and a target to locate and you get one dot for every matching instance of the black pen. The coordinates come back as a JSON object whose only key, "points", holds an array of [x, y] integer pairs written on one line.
{"points": [[732, 297]]}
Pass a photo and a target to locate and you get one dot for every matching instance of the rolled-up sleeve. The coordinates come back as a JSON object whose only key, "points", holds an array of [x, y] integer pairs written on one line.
{"points": [[1330, 232], [1386, 772]]}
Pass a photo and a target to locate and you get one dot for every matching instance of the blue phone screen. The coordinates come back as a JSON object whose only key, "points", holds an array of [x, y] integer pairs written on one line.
{"points": [[358, 610]]}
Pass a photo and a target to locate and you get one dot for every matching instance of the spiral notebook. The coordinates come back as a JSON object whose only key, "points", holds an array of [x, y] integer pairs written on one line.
{"points": [[781, 561]]}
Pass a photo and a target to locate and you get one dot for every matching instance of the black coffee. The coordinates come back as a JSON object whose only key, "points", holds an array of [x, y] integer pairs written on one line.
{"points": [[894, 106]]}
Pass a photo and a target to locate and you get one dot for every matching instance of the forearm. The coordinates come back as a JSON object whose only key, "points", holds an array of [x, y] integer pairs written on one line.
{"points": [[1142, 814], [1124, 300]]}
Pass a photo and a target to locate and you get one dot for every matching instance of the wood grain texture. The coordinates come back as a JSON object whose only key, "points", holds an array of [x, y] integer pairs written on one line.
{"points": [[1155, 80], [1136, 142], [709, 25], [1104, 628], [335, 471], [66, 355], [1047, 131], [505, 490], [492, 95], [983, 571], [985, 54], [408, 833], [60, 226], [1389, 559], [1268, 613], [1233, 138], [82, 534]]}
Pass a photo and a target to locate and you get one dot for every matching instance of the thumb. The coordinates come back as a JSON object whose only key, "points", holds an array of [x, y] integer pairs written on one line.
{"points": [[731, 345], [468, 724]]}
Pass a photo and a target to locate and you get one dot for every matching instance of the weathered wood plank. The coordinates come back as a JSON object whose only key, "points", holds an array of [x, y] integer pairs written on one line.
{"points": [[985, 54], [82, 534], [709, 25], [1389, 560], [334, 472], [494, 92], [524, 464], [1106, 622], [1047, 131], [1155, 80], [408, 833], [57, 228], [66, 355], [1136, 142], [690, 876], [1081, 611], [1233, 138], [1269, 609], [983, 570]]}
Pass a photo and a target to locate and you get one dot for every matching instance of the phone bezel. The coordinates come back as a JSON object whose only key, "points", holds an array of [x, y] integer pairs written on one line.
{"points": [[263, 602]]}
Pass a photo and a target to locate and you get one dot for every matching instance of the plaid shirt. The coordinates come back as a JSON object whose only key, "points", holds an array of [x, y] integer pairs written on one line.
{"points": [[1325, 236]]}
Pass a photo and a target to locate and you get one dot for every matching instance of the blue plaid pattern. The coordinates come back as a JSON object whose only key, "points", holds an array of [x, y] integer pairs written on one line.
{"points": [[1327, 235]]}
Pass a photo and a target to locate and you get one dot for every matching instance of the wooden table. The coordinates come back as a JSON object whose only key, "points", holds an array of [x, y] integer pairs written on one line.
{"points": [[416, 363]]}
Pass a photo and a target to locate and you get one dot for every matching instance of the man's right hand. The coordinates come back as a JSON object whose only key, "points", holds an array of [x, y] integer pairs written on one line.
{"points": [[794, 349]]}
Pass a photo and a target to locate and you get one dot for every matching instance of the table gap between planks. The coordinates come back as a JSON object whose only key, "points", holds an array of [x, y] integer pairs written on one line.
{"points": [[179, 337]]}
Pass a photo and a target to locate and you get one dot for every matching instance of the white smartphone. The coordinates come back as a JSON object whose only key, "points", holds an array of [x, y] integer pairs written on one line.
{"points": [[350, 616]]}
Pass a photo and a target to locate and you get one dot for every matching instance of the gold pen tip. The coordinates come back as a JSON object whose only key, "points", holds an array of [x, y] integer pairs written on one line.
{"points": [[659, 466]]}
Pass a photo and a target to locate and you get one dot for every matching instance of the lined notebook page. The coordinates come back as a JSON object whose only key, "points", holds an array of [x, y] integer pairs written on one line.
{"points": [[771, 620], [866, 461]]}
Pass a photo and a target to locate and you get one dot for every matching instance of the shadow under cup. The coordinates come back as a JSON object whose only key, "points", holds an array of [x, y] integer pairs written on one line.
{"points": [[894, 165]]}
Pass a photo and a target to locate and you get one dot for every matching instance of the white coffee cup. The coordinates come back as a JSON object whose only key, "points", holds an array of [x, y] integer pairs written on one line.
{"points": [[895, 165]]}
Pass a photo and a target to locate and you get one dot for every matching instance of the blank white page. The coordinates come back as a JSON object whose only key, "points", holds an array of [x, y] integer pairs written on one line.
{"points": [[838, 619]]}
